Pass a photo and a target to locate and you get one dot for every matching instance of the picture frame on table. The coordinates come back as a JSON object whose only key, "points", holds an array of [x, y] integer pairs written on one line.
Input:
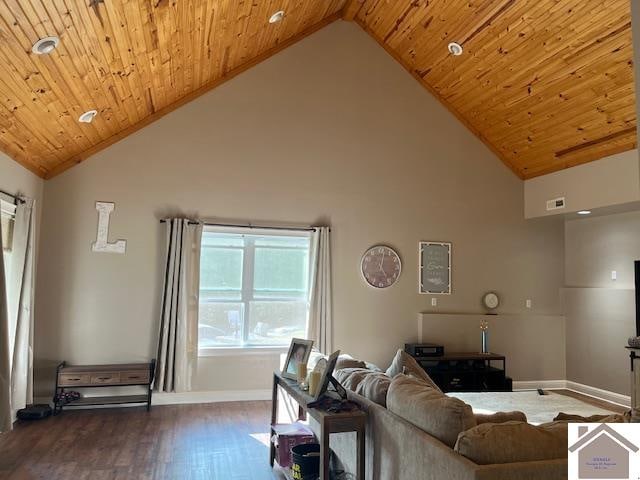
{"points": [[327, 374], [299, 352]]}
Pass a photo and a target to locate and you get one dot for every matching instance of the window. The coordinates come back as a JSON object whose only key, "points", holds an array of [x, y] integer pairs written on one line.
{"points": [[7, 217], [254, 287]]}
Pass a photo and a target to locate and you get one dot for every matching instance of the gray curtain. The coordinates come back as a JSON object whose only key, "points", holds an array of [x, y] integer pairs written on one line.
{"points": [[5, 362], [16, 317], [21, 288], [178, 336], [320, 328]]}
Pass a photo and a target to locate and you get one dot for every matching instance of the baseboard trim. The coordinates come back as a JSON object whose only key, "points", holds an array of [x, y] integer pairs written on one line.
{"points": [[210, 397], [544, 384], [599, 393], [186, 398], [256, 395]]}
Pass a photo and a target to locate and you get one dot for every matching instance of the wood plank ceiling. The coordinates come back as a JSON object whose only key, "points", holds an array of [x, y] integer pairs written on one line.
{"points": [[546, 84], [132, 60]]}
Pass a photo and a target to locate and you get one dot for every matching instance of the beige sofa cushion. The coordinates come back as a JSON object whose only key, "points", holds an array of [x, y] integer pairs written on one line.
{"points": [[511, 442], [405, 363], [429, 409], [350, 378], [501, 417], [347, 361], [373, 367], [375, 387]]}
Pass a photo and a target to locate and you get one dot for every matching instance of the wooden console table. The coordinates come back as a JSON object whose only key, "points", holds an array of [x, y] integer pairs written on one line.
{"points": [[354, 421], [90, 376]]}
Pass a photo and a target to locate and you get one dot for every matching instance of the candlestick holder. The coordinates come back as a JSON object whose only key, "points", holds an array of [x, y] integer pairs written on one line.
{"points": [[484, 336]]}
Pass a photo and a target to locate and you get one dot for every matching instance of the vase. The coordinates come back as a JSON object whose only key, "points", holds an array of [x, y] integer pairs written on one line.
{"points": [[485, 341]]}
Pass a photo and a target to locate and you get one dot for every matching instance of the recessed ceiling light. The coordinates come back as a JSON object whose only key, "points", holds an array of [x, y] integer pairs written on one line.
{"points": [[455, 48], [277, 17], [45, 45], [87, 117], [584, 212]]}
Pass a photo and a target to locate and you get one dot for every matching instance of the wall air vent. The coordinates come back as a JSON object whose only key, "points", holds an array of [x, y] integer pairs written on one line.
{"points": [[555, 204]]}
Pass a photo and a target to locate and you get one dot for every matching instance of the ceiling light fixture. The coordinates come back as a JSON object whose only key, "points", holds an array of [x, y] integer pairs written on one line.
{"points": [[455, 49], [45, 45], [584, 212], [87, 117], [277, 17]]}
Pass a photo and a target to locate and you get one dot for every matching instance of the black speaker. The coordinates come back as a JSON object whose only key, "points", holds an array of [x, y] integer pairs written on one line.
{"points": [[420, 350]]}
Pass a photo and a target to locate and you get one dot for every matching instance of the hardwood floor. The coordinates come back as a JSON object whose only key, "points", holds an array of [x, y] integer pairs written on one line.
{"points": [[226, 441], [221, 441]]}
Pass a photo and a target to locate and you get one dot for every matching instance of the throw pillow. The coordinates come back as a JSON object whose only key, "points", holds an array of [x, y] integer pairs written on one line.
{"points": [[405, 363], [375, 387], [429, 409], [510, 442]]}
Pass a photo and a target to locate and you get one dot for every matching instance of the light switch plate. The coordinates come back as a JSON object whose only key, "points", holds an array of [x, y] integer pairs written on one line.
{"points": [[434, 302], [528, 303]]}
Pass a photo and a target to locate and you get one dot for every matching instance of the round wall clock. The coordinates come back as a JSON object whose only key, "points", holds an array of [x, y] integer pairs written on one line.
{"points": [[381, 266], [491, 300]]}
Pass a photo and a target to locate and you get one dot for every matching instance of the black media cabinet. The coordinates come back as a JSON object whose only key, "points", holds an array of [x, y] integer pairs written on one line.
{"points": [[468, 372]]}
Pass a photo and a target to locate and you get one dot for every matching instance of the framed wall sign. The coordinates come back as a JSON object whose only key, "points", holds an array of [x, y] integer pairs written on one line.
{"points": [[435, 268]]}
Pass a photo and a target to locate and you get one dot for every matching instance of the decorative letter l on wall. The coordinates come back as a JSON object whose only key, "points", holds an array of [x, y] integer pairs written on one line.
{"points": [[102, 241]]}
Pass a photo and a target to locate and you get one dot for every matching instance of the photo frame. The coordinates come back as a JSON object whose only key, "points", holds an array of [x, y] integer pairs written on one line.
{"points": [[299, 351], [326, 374], [434, 273]]}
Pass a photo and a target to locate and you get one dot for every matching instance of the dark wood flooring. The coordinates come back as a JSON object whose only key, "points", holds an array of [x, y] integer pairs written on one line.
{"points": [[221, 441]]}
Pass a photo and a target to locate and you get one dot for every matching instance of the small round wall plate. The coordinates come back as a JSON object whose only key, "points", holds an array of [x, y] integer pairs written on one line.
{"points": [[491, 300], [381, 266]]}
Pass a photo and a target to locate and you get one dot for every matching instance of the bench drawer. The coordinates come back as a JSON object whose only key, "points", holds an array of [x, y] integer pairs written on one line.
{"points": [[105, 378], [141, 377], [70, 379]]}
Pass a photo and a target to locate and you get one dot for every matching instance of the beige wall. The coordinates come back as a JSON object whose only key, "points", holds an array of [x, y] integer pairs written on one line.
{"points": [[331, 130], [611, 181], [17, 179], [600, 312], [534, 345]]}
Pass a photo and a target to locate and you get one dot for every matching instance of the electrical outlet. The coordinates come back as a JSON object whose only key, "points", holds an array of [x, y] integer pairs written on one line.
{"points": [[434, 302], [528, 303], [614, 275]]}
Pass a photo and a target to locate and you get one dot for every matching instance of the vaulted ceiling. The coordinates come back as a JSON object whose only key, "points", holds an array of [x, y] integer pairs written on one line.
{"points": [[546, 84]]}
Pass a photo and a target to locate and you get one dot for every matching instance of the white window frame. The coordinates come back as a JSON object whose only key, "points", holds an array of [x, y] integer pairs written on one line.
{"points": [[247, 290]]}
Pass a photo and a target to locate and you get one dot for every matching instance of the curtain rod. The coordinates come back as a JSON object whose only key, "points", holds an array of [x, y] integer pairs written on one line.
{"points": [[207, 224], [15, 197]]}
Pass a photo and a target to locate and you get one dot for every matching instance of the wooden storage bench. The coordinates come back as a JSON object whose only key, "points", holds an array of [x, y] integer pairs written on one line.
{"points": [[116, 375]]}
